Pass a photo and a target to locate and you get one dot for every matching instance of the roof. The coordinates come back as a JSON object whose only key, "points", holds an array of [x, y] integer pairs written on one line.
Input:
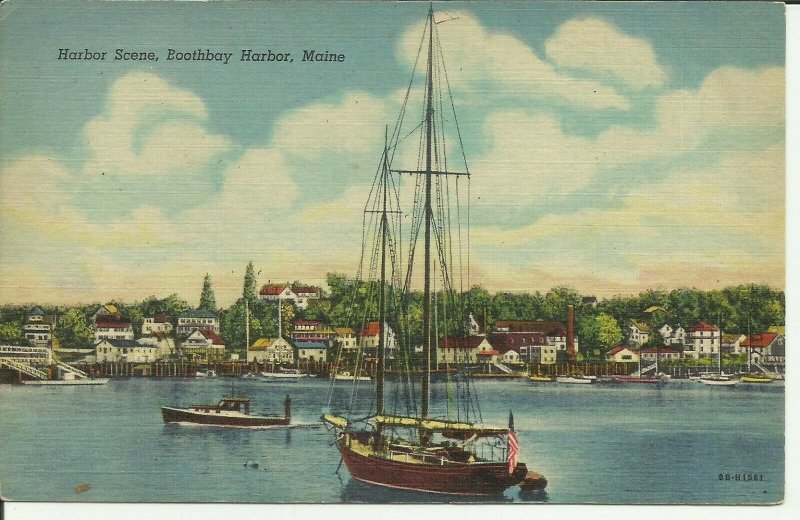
{"points": [[731, 338], [37, 311], [372, 329], [505, 341], [702, 326], [272, 289], [489, 352], [654, 308], [642, 326], [617, 350], [306, 322], [112, 323], [310, 345], [343, 330], [462, 342], [215, 339], [122, 343], [759, 340], [589, 299], [261, 343], [197, 313], [159, 318], [551, 328]]}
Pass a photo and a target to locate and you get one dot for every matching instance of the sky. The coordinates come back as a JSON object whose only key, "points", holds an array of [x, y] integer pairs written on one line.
{"points": [[613, 147]]}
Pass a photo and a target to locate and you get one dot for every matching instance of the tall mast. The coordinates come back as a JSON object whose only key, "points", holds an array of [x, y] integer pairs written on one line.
{"points": [[382, 303], [426, 303]]}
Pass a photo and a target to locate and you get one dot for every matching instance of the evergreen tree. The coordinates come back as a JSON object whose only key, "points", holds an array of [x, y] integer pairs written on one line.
{"points": [[249, 289], [207, 300]]}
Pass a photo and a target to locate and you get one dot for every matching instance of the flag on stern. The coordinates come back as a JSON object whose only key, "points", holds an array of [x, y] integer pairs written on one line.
{"points": [[513, 444]]}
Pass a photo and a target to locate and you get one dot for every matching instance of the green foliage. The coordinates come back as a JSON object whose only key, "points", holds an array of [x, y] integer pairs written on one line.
{"points": [[597, 333], [249, 285], [207, 299], [263, 323], [73, 329]]}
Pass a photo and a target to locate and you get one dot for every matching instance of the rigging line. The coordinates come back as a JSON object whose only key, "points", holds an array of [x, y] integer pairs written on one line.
{"points": [[453, 106]]}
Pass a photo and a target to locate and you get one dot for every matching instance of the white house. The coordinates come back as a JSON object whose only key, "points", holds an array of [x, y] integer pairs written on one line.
{"points": [[510, 356], [310, 351], [369, 336], [197, 319], [462, 349], [203, 343], [124, 350], [702, 340], [672, 335], [345, 338], [622, 354], [164, 344], [638, 333], [299, 295], [112, 326], [158, 324], [39, 327], [732, 343], [271, 350]]}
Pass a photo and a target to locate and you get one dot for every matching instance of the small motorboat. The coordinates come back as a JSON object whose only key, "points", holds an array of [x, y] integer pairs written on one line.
{"points": [[639, 379], [230, 411], [538, 378], [206, 373], [755, 378], [347, 376], [576, 380]]}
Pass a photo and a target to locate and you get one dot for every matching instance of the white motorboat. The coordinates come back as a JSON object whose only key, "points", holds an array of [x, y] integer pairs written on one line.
{"points": [[576, 380], [347, 376]]}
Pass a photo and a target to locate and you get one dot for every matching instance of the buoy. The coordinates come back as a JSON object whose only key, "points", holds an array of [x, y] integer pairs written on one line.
{"points": [[533, 482], [251, 464]]}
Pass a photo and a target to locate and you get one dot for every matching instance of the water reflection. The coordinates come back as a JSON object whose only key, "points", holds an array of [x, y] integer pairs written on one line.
{"points": [[361, 492], [529, 495]]}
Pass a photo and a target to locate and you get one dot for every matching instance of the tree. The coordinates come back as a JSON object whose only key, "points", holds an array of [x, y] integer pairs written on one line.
{"points": [[73, 330], [207, 300], [249, 288]]}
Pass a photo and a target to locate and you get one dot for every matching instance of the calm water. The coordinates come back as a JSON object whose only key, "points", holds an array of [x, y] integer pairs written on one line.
{"points": [[595, 444]]}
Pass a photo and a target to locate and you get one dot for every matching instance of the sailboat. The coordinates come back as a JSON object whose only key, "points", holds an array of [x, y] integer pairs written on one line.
{"points": [[718, 379], [417, 451], [281, 373]]}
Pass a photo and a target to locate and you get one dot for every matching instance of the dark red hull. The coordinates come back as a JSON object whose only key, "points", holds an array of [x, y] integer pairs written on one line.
{"points": [[466, 479], [175, 415]]}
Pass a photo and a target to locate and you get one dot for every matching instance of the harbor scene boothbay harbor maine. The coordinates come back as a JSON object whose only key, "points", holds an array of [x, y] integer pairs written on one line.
{"points": [[444, 252]]}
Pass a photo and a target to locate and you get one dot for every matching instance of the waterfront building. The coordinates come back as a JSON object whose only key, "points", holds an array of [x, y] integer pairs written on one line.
{"points": [[308, 330], [732, 343], [310, 351], [622, 354], [158, 324], [534, 341], [271, 350], [765, 346], [164, 345], [702, 341], [345, 338], [638, 333], [197, 319], [299, 295], [368, 340], [39, 327], [462, 349], [112, 326], [203, 344], [124, 350], [510, 356], [663, 352]]}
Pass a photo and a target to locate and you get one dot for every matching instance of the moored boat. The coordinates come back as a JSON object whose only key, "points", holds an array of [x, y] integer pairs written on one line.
{"points": [[576, 380], [230, 411], [412, 449], [537, 378], [347, 376], [756, 378]]}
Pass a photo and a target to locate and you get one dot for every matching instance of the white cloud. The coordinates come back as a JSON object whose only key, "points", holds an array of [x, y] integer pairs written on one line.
{"points": [[151, 129], [476, 56], [598, 46]]}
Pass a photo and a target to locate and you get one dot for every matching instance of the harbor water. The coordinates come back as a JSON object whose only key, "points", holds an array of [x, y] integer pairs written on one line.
{"points": [[682, 442]]}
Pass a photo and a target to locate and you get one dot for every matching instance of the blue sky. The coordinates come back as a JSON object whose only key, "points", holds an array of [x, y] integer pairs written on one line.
{"points": [[614, 146]]}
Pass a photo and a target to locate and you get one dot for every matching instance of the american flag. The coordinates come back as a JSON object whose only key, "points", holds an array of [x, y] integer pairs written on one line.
{"points": [[513, 445]]}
